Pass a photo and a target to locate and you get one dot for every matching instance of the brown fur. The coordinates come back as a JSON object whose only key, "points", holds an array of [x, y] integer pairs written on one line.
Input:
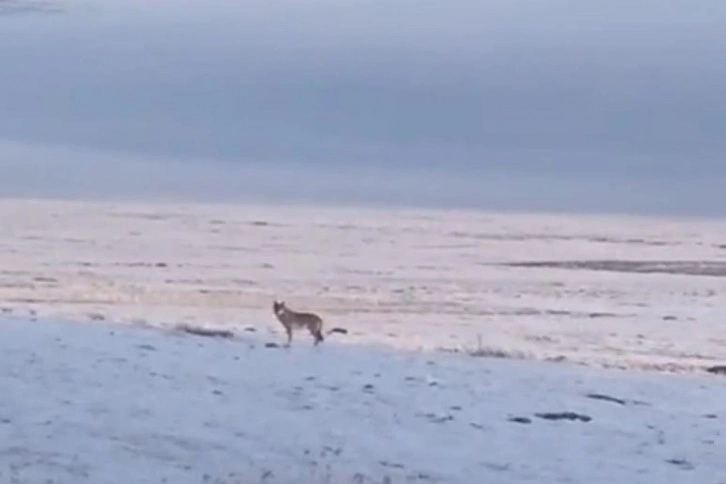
{"points": [[292, 320]]}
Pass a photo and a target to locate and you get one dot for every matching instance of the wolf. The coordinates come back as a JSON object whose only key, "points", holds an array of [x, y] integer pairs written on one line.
{"points": [[293, 320]]}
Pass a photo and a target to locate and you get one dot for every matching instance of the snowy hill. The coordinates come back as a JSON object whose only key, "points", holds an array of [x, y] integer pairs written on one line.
{"points": [[88, 402]]}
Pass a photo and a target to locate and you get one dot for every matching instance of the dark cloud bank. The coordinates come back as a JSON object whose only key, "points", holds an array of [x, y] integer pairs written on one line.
{"points": [[557, 105]]}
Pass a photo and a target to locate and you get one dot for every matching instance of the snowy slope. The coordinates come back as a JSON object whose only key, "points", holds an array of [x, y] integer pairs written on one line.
{"points": [[120, 404]]}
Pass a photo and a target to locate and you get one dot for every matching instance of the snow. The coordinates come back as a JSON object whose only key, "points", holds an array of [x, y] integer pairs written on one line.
{"points": [[410, 279], [99, 403], [98, 387]]}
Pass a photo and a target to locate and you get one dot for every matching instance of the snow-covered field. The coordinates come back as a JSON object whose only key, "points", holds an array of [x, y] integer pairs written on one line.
{"points": [[97, 403], [407, 279], [98, 387]]}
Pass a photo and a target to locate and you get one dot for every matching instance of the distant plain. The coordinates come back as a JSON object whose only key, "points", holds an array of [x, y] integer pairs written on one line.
{"points": [[613, 291]]}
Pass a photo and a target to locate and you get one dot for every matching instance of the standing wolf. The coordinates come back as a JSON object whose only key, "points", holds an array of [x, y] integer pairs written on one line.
{"points": [[293, 320]]}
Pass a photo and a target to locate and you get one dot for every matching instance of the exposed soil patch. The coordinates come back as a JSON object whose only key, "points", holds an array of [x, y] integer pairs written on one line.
{"points": [[207, 332], [690, 268], [717, 370], [564, 416]]}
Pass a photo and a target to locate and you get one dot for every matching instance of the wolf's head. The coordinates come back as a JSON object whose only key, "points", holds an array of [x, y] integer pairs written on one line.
{"points": [[278, 306]]}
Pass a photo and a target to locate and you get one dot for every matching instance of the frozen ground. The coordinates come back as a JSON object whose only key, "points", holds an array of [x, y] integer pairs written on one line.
{"points": [[101, 404], [604, 291]]}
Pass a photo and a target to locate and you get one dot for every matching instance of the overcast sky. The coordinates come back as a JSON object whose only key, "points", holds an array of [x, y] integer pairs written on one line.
{"points": [[556, 104]]}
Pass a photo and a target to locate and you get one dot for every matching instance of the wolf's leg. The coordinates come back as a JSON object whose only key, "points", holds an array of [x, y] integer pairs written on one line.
{"points": [[317, 333]]}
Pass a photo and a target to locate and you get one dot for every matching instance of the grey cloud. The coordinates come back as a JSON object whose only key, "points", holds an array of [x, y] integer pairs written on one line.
{"points": [[556, 90]]}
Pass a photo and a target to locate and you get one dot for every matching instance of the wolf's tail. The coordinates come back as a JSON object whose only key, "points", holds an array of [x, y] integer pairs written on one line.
{"points": [[337, 330]]}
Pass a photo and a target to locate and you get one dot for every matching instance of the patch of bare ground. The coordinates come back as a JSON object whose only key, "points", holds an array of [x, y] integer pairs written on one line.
{"points": [[482, 351], [683, 267], [207, 332]]}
